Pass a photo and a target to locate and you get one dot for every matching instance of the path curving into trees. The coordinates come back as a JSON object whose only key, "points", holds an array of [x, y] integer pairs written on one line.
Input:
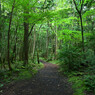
{"points": [[46, 82]]}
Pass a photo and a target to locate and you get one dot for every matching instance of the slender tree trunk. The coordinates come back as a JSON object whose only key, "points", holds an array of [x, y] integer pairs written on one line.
{"points": [[0, 21], [10, 68], [0, 32], [37, 48], [47, 43], [79, 11], [34, 42], [56, 44], [38, 57], [82, 31], [14, 50], [15, 43]]}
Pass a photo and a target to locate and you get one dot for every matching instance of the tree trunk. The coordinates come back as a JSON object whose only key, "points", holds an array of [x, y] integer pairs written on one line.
{"points": [[47, 43], [0, 15], [15, 43], [34, 42], [0, 22], [10, 68], [38, 57], [56, 46], [26, 31], [80, 14], [26, 34], [14, 50], [82, 31]]}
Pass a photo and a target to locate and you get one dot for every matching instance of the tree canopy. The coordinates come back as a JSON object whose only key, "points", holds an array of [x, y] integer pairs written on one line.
{"points": [[51, 29]]}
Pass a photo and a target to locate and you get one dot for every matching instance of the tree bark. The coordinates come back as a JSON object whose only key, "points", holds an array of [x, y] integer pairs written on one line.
{"points": [[82, 31], [10, 68], [14, 49], [0, 32], [47, 43], [34, 42], [80, 15], [56, 46], [26, 47], [38, 57]]}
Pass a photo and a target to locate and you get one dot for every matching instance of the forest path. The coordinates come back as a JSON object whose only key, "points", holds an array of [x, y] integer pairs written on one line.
{"points": [[46, 82]]}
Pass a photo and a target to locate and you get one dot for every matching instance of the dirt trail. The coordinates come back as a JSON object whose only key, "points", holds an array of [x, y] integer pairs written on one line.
{"points": [[46, 82]]}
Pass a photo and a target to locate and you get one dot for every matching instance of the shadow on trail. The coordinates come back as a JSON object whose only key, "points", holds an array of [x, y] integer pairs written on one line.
{"points": [[46, 82]]}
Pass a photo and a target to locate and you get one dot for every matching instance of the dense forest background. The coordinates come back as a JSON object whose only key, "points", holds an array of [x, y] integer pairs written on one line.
{"points": [[60, 30]]}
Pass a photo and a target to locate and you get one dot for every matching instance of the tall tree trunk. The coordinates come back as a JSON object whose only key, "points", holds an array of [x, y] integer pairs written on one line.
{"points": [[79, 11], [26, 43], [10, 68], [38, 56], [82, 31], [0, 32], [34, 42], [56, 46], [0, 21], [37, 48], [15, 43], [14, 49], [47, 43]]}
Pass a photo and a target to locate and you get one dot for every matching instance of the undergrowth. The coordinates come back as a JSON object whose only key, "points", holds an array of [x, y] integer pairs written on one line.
{"points": [[80, 69], [19, 72]]}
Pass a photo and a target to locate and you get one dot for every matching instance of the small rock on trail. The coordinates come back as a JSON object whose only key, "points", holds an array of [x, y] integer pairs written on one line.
{"points": [[46, 82]]}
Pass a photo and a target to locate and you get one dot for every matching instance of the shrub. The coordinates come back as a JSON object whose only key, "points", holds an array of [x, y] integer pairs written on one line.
{"points": [[71, 58], [90, 82]]}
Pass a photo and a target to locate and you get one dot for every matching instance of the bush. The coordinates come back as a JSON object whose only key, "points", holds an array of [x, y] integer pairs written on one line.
{"points": [[75, 62], [89, 57], [90, 82], [71, 58]]}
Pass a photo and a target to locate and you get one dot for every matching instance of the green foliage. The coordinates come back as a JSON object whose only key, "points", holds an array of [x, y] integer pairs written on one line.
{"points": [[1, 85], [71, 58], [89, 13], [24, 74], [78, 85], [90, 57], [90, 82], [18, 73], [57, 28]]}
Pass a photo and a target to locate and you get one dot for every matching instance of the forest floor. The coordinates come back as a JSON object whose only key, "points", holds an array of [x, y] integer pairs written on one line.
{"points": [[46, 82]]}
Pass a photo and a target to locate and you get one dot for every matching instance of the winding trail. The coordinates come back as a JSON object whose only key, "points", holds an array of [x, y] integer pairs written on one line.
{"points": [[46, 82]]}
